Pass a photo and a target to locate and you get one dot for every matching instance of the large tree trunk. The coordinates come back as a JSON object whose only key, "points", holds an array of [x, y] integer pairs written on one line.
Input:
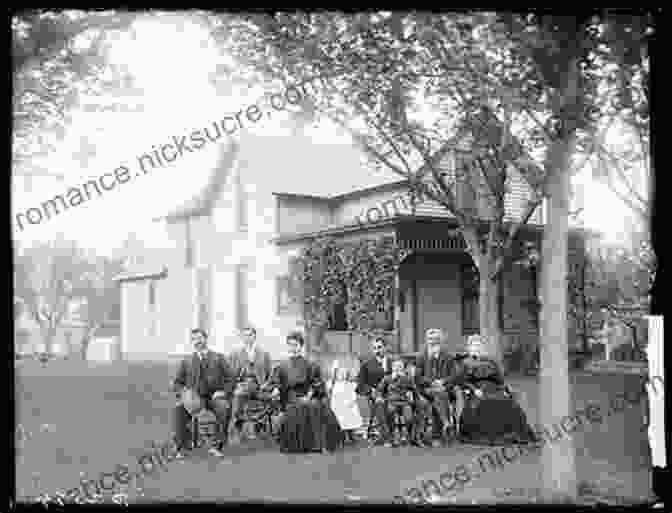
{"points": [[489, 311], [488, 296], [558, 458]]}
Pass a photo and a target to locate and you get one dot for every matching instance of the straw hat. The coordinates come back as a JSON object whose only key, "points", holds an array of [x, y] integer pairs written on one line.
{"points": [[191, 401]]}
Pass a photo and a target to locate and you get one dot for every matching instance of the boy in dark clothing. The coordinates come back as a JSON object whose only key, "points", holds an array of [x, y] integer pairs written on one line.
{"points": [[399, 393]]}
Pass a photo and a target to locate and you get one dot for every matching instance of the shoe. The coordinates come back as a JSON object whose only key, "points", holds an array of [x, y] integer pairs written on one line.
{"points": [[388, 444], [179, 455], [436, 443]]}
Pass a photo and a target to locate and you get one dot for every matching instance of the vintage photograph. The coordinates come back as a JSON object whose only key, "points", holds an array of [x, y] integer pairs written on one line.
{"points": [[341, 257]]}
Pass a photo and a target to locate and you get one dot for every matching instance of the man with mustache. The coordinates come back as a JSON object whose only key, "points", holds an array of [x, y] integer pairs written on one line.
{"points": [[437, 374], [204, 380], [371, 373]]}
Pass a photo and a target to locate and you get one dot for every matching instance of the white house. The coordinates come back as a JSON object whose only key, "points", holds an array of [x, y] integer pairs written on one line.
{"points": [[269, 196]]}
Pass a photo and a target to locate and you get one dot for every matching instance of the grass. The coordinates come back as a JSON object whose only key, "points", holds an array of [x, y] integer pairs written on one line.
{"points": [[100, 415]]}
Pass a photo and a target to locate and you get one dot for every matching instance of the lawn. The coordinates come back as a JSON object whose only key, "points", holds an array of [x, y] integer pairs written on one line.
{"points": [[86, 418]]}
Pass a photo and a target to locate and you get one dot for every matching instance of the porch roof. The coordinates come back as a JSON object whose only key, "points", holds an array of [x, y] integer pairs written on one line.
{"points": [[347, 229], [400, 220]]}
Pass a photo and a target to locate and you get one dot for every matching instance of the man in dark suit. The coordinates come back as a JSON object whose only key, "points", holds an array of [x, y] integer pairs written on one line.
{"points": [[252, 367], [371, 373], [210, 377], [436, 374]]}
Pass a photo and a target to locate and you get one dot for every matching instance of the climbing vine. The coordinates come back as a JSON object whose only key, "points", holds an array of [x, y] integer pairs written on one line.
{"points": [[358, 274]]}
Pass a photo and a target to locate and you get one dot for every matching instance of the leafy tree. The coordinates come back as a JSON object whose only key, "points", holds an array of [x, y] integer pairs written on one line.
{"points": [[618, 281], [56, 55], [101, 294], [511, 90], [52, 277], [47, 277], [384, 69]]}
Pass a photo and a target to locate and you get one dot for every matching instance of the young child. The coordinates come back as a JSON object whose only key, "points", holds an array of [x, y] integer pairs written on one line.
{"points": [[344, 401], [400, 394]]}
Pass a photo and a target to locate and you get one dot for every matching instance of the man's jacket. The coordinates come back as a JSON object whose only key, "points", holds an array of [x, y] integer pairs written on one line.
{"points": [[206, 377], [443, 367], [370, 374], [259, 366]]}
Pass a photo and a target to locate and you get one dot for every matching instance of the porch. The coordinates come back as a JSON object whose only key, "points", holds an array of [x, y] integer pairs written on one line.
{"points": [[436, 286]]}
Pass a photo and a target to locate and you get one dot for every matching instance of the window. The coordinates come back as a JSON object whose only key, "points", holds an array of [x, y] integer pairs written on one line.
{"points": [[288, 296], [289, 290], [242, 296], [470, 317]]}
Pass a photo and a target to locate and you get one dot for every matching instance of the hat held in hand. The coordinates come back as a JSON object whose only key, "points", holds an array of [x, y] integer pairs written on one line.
{"points": [[191, 401]]}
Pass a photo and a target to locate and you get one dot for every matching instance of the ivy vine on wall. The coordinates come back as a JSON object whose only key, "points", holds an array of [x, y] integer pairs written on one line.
{"points": [[360, 274]]}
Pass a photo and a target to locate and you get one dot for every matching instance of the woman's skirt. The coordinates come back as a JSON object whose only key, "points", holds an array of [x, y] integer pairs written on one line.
{"points": [[309, 426], [494, 418]]}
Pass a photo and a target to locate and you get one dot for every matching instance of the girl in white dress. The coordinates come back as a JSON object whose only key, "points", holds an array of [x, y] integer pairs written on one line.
{"points": [[344, 401]]}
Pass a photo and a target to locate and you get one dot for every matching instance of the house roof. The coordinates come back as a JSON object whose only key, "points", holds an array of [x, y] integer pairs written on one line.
{"points": [[299, 165], [202, 202], [287, 164]]}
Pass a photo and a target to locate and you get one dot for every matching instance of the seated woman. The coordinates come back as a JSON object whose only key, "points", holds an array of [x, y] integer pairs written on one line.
{"points": [[486, 408], [308, 424]]}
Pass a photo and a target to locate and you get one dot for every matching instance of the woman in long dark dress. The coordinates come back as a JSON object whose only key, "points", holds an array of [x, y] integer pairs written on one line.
{"points": [[308, 423], [488, 410]]}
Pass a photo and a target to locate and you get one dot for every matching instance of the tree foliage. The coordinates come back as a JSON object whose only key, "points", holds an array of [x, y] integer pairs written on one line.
{"points": [[57, 55], [50, 278], [359, 274]]}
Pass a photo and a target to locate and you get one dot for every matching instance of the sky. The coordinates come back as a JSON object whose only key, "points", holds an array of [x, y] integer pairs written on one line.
{"points": [[174, 96]]}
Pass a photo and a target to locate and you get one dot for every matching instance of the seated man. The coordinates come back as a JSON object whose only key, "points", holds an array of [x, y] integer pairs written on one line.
{"points": [[398, 392], [208, 376], [252, 367], [371, 372], [436, 375]]}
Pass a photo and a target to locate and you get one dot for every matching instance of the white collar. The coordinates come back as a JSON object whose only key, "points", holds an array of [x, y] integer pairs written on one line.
{"points": [[250, 350]]}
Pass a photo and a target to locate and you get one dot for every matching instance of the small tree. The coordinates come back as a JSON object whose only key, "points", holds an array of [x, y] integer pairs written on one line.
{"points": [[619, 279], [47, 277], [101, 294]]}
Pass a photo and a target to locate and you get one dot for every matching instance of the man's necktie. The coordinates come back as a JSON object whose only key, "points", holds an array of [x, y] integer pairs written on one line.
{"points": [[202, 381]]}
